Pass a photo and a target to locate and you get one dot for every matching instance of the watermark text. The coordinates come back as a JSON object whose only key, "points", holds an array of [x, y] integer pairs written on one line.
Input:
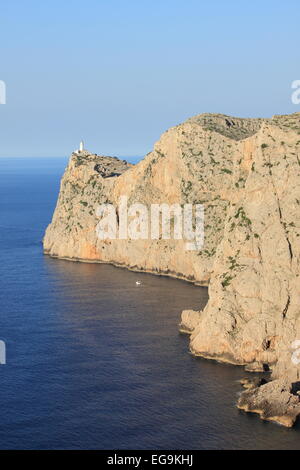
{"points": [[296, 354], [2, 92], [156, 221], [2, 352], [296, 93]]}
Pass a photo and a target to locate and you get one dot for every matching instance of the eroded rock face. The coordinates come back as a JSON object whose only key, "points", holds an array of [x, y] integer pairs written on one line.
{"points": [[194, 163], [246, 173], [252, 317], [276, 401]]}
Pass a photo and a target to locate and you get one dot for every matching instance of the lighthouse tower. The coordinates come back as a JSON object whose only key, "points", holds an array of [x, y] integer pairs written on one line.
{"points": [[81, 148]]}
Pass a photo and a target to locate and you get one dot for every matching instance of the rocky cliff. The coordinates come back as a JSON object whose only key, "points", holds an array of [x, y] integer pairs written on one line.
{"points": [[252, 317], [196, 162], [246, 173]]}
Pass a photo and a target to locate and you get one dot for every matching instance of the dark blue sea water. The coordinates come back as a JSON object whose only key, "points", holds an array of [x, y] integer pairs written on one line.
{"points": [[94, 362]]}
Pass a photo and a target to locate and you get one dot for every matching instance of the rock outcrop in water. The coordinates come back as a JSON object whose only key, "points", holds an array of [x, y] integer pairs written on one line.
{"points": [[246, 172], [252, 317]]}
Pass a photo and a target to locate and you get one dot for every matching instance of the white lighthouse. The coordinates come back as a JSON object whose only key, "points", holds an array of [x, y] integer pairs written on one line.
{"points": [[81, 147]]}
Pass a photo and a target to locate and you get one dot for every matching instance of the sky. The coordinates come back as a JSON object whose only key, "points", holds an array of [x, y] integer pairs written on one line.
{"points": [[118, 73]]}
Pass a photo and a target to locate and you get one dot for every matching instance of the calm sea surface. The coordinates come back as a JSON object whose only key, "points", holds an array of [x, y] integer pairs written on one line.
{"points": [[94, 361]]}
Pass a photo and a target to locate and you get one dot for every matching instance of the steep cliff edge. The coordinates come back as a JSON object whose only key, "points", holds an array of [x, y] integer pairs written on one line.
{"points": [[246, 173], [252, 317], [195, 162]]}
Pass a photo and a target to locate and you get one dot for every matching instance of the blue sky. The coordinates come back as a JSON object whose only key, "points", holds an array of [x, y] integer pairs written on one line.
{"points": [[118, 73]]}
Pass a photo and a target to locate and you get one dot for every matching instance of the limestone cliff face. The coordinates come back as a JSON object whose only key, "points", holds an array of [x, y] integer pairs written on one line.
{"points": [[252, 316], [195, 162], [246, 172]]}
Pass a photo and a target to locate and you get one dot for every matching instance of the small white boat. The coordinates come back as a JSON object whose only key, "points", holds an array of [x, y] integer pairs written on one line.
{"points": [[138, 283]]}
